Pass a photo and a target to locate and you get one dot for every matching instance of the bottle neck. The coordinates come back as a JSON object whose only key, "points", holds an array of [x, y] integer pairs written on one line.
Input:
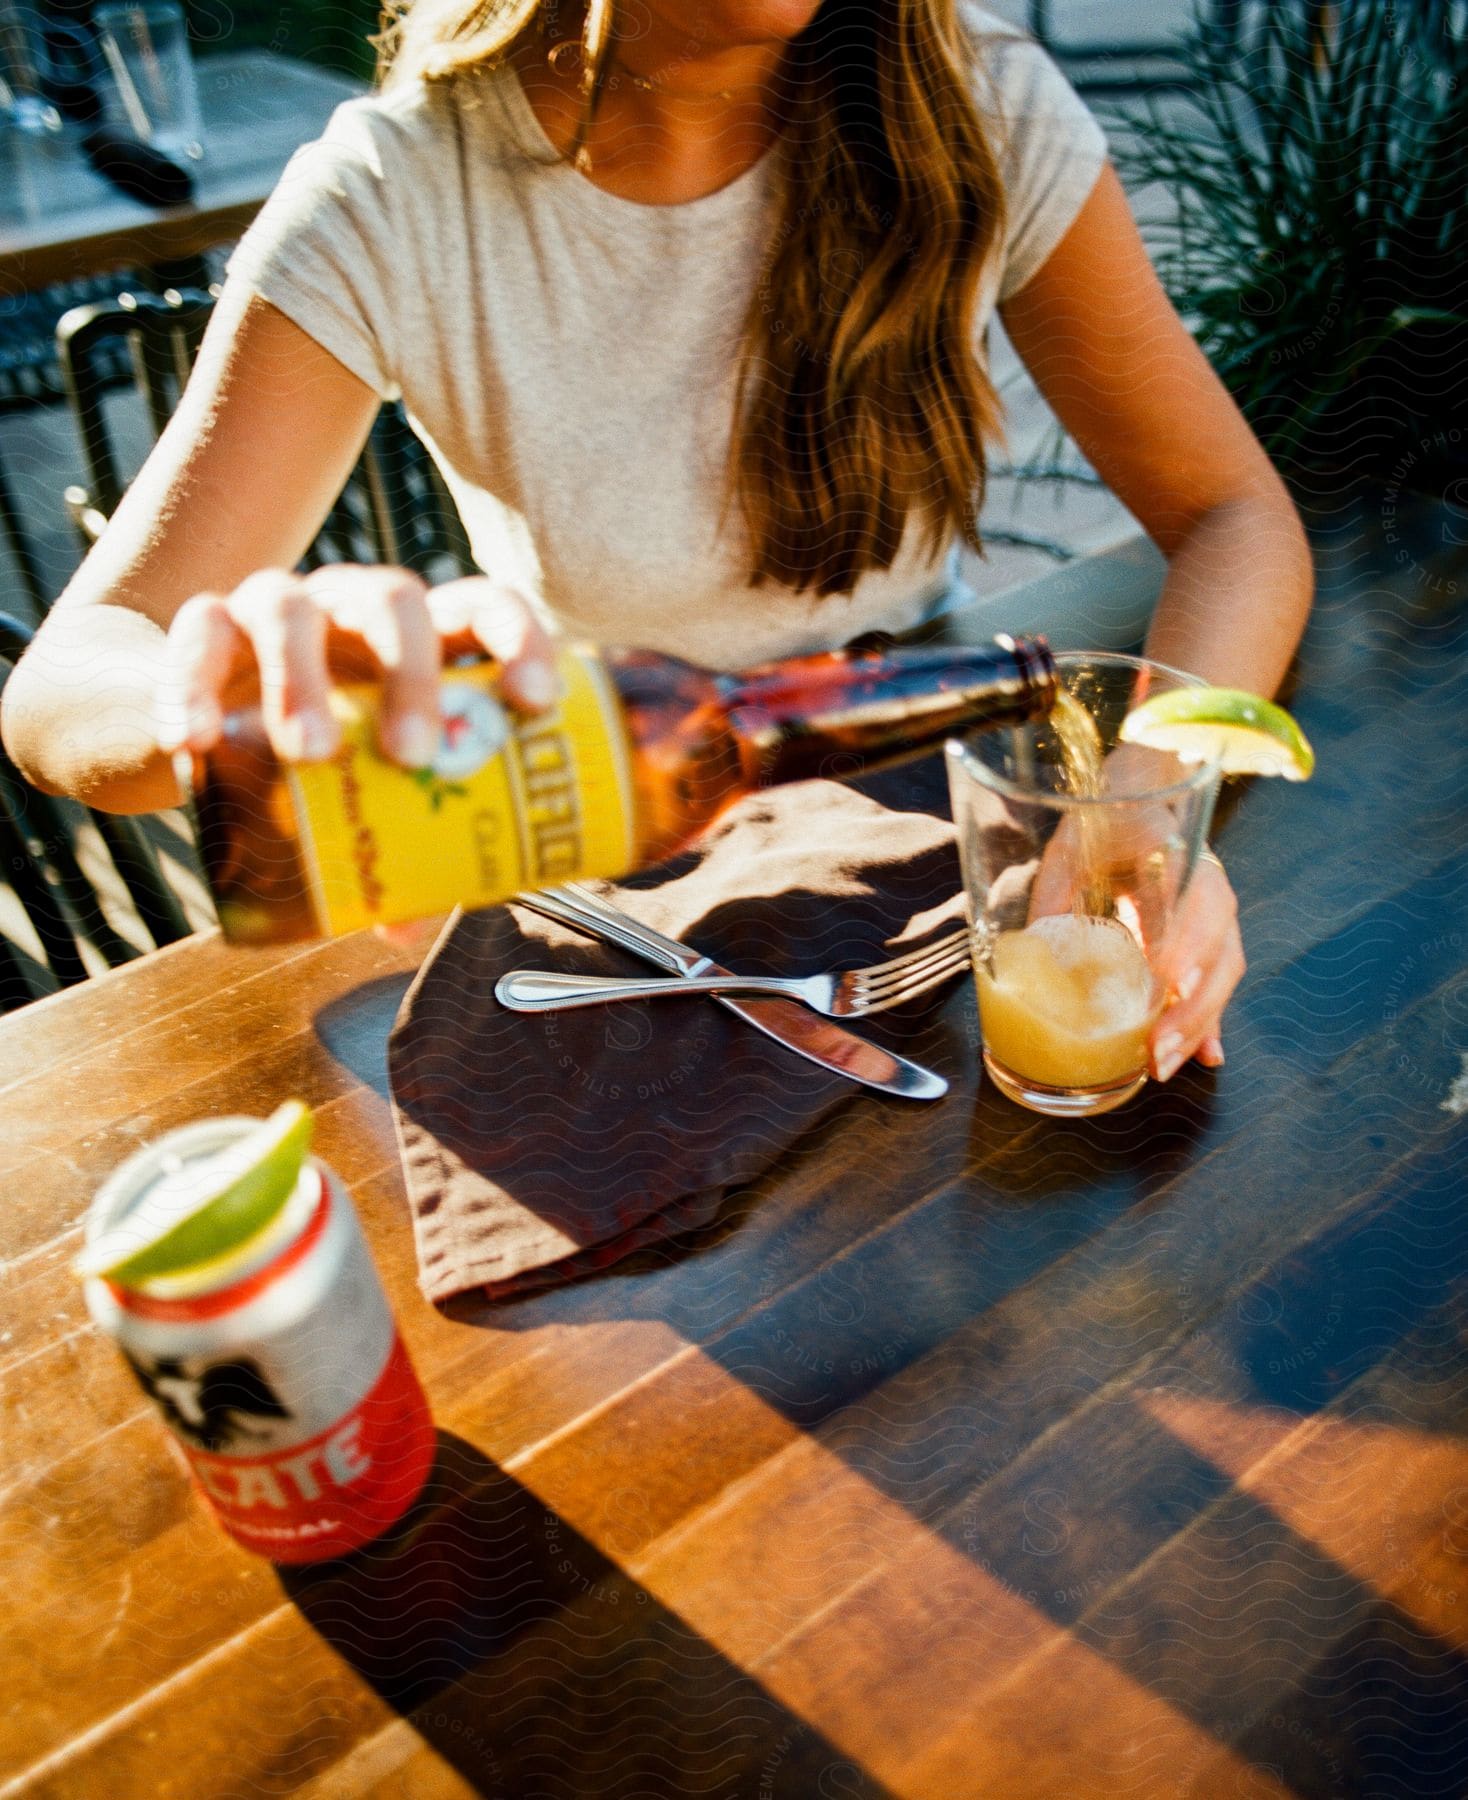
{"points": [[835, 714]]}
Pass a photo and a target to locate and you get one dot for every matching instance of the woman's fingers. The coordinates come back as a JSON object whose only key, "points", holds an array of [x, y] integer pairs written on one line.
{"points": [[1190, 1027], [1058, 876], [476, 613], [1204, 959], [388, 610], [374, 622], [1205, 965], [287, 628], [204, 648]]}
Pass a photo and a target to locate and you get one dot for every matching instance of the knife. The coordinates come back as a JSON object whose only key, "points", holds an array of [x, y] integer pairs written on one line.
{"points": [[786, 1021]]}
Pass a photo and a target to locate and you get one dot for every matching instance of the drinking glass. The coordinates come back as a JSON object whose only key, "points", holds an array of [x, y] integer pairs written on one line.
{"points": [[1076, 852], [145, 49]]}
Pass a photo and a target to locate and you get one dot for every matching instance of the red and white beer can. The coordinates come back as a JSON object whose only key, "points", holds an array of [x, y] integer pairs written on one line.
{"points": [[280, 1372]]}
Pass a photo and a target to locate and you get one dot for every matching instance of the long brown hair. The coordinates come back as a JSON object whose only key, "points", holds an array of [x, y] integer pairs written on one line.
{"points": [[862, 399]]}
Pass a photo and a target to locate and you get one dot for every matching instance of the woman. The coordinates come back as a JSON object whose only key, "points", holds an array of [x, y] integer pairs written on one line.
{"points": [[687, 297]]}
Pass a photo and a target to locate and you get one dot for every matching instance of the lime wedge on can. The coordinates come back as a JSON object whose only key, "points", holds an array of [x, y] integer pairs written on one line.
{"points": [[1249, 735], [207, 1209]]}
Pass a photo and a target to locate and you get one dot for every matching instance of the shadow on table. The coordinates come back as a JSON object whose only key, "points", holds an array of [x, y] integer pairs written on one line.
{"points": [[900, 1359], [532, 1664], [354, 1028], [1128, 1156]]}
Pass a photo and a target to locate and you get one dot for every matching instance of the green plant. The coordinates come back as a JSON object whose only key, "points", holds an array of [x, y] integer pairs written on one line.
{"points": [[1319, 248]]}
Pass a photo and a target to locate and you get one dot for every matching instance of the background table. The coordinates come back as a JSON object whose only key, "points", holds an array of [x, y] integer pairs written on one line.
{"points": [[971, 1455], [59, 220]]}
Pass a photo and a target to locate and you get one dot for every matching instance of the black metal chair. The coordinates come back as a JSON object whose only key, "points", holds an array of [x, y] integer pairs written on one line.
{"points": [[39, 864], [30, 377], [394, 509]]}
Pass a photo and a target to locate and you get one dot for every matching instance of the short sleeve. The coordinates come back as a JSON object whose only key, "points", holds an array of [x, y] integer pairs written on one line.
{"points": [[1051, 148], [328, 250]]}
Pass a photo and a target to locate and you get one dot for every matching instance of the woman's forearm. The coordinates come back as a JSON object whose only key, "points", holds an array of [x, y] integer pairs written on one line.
{"points": [[1237, 595], [1108, 351], [259, 446], [77, 713]]}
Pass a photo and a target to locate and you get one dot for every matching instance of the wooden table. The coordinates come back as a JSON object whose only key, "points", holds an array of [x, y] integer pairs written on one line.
{"points": [[59, 220], [973, 1455]]}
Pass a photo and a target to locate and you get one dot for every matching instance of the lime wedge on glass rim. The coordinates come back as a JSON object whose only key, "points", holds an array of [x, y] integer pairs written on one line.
{"points": [[1249, 735], [207, 1210]]}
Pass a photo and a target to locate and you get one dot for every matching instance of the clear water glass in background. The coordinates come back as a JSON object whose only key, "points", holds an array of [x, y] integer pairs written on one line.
{"points": [[1076, 853], [23, 64], [148, 72]]}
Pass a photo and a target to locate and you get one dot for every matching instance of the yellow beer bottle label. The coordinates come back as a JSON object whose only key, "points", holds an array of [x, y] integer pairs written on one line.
{"points": [[509, 802]]}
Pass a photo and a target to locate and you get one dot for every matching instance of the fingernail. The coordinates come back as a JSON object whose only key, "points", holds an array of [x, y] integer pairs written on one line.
{"points": [[1167, 1054], [415, 740], [538, 685], [1211, 1055], [1189, 984], [306, 737]]}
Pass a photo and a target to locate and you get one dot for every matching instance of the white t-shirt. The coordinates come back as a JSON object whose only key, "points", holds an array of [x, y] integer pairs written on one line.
{"points": [[568, 356]]}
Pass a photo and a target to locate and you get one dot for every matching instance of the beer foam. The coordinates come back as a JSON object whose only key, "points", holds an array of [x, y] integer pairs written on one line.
{"points": [[1097, 963]]}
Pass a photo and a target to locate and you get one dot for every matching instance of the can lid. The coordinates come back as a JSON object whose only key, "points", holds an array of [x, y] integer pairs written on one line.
{"points": [[247, 1258], [127, 1183], [188, 1212], [234, 1281]]}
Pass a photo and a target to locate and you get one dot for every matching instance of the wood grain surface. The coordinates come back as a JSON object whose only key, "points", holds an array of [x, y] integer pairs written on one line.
{"points": [[970, 1454], [60, 220]]}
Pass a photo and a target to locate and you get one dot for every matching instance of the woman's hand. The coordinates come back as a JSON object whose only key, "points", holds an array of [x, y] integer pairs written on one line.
{"points": [[1203, 963], [283, 637]]}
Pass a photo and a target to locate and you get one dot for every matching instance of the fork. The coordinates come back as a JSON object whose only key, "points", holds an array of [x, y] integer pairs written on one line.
{"points": [[848, 994]]}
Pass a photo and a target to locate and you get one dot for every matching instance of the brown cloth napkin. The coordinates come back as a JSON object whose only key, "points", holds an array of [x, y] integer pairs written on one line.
{"points": [[539, 1147]]}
